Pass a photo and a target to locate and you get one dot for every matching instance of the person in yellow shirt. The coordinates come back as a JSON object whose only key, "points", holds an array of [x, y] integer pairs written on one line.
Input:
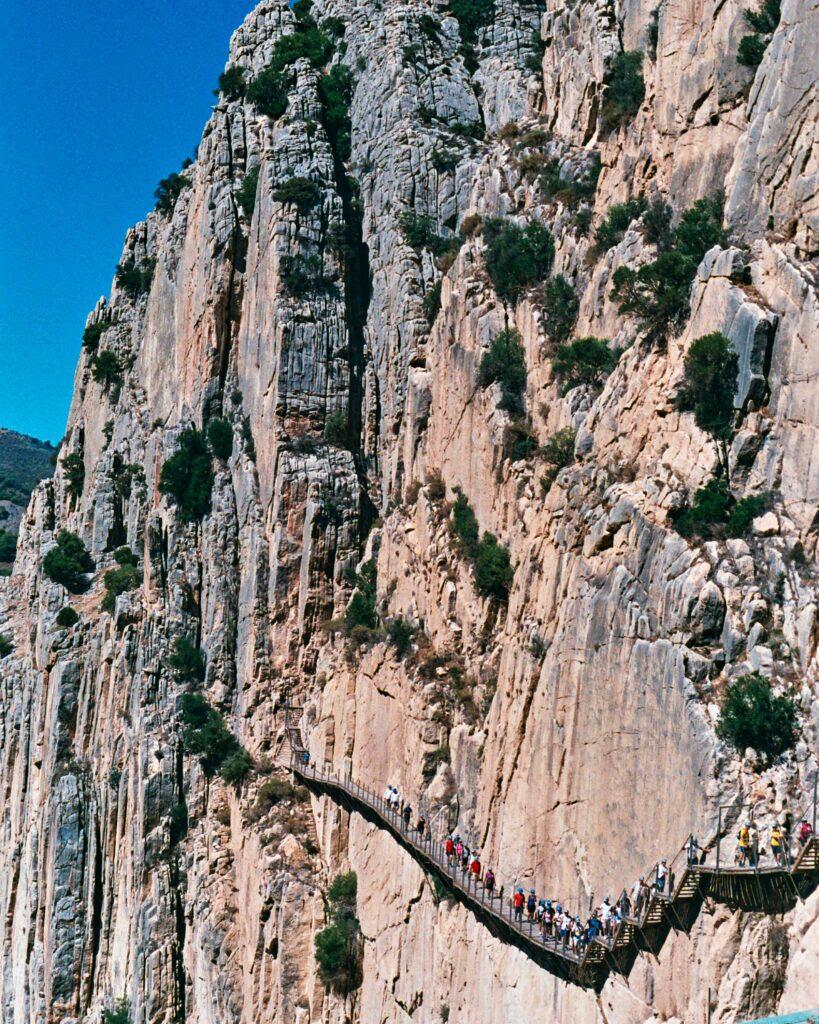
{"points": [[777, 846], [744, 839]]}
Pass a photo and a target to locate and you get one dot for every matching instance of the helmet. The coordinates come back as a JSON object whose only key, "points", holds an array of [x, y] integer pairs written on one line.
{"points": [[532, 891], [519, 889]]}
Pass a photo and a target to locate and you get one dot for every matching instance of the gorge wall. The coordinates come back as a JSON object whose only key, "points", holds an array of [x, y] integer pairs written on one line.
{"points": [[570, 733]]}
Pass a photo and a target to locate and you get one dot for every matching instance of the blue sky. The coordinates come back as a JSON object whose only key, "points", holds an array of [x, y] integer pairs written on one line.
{"points": [[102, 98]]}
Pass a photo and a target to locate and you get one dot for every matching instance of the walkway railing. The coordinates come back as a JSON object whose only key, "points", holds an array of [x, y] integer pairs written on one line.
{"points": [[644, 926]]}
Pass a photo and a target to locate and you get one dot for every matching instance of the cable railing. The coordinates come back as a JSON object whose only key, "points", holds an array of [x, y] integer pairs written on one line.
{"points": [[636, 925]]}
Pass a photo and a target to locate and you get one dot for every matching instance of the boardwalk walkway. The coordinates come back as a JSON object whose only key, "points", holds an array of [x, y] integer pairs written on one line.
{"points": [[769, 889]]}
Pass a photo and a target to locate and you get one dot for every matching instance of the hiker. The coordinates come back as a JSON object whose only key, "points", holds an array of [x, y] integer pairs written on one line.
{"points": [[449, 848], [624, 905], [406, 814], [605, 915], [531, 904], [420, 825], [805, 831], [475, 867], [517, 903], [744, 840], [489, 881], [465, 858], [692, 848], [636, 894], [539, 910], [548, 920], [662, 874], [753, 845], [305, 757], [595, 926], [777, 839], [565, 926], [388, 795], [576, 934]]}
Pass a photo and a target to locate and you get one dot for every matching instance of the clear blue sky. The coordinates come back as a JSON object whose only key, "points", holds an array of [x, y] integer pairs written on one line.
{"points": [[102, 98]]}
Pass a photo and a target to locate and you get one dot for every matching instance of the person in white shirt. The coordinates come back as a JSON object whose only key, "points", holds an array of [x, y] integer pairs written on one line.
{"points": [[605, 915]]}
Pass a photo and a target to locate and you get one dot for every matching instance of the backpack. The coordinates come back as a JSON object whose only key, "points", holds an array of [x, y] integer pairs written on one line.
{"points": [[530, 904]]}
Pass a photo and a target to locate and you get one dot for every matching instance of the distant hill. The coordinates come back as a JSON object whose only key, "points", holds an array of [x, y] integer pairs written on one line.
{"points": [[24, 461]]}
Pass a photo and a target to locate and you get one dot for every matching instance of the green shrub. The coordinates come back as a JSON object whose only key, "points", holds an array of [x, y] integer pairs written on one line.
{"points": [[419, 232], [125, 556], [246, 195], [743, 514], [118, 1014], [336, 428], [119, 581], [750, 51], [753, 716], [168, 191], [335, 92], [74, 470], [709, 382], [657, 224], [300, 192], [619, 217], [517, 258], [268, 92], [658, 294], [700, 229], [569, 191], [220, 438], [624, 91], [302, 275], [106, 369], [92, 334], [766, 18], [273, 792], [361, 609], [584, 361], [302, 9], [205, 735], [187, 476], [432, 302], [493, 568], [187, 661], [177, 823], [135, 278], [339, 946], [465, 524], [69, 562], [232, 83], [653, 32], [400, 632], [6, 646], [444, 160], [505, 363], [67, 617], [8, 546], [558, 452], [236, 766], [560, 307], [708, 509], [333, 27]]}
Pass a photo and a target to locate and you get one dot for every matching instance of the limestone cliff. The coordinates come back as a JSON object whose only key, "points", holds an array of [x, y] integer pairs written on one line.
{"points": [[570, 732]]}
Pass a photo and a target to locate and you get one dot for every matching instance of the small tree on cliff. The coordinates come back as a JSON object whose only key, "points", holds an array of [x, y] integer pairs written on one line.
{"points": [[710, 379], [753, 716], [339, 946]]}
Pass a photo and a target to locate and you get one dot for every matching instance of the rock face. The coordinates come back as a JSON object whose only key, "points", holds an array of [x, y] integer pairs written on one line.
{"points": [[570, 733]]}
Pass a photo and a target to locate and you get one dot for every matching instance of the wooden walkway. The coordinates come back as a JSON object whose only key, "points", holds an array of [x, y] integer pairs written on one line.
{"points": [[768, 889]]}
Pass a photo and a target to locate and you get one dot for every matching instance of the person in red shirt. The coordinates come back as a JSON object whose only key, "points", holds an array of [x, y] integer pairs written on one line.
{"points": [[518, 902], [449, 848], [475, 867]]}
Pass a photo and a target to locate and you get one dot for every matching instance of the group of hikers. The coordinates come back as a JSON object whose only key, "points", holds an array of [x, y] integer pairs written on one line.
{"points": [[748, 851], [553, 920]]}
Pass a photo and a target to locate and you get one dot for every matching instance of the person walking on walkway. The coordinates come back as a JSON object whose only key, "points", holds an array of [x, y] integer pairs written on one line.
{"points": [[531, 904], [753, 845], [421, 826], [517, 903], [692, 849], [662, 875], [475, 867], [489, 882], [777, 850], [449, 849], [605, 915], [744, 842], [406, 814], [805, 831]]}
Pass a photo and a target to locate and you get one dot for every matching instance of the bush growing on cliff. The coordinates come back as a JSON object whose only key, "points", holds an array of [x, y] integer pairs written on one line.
{"points": [[127, 576], [493, 568], [764, 21], [558, 452], [302, 193], [106, 369], [246, 195], [68, 563], [135, 278], [168, 191], [715, 513], [472, 16], [187, 661], [400, 632], [653, 32], [206, 736], [187, 476], [504, 363], [625, 90], [8, 546], [584, 361], [302, 275], [6, 646], [92, 334], [465, 525], [268, 92], [339, 946], [517, 258], [337, 428], [220, 438], [432, 303], [753, 716], [67, 617], [232, 83], [419, 232], [73, 466], [710, 378], [361, 609], [119, 1013], [335, 92], [613, 228], [560, 307]]}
